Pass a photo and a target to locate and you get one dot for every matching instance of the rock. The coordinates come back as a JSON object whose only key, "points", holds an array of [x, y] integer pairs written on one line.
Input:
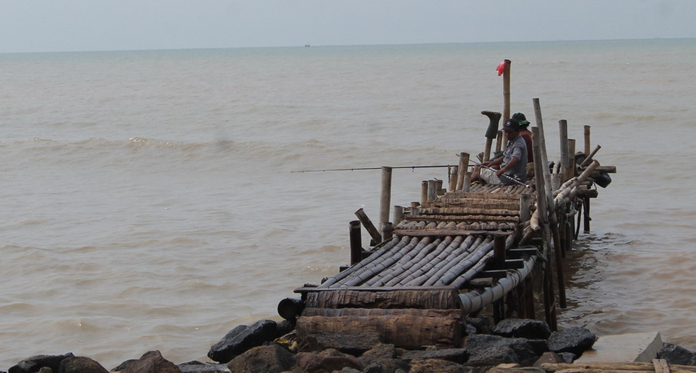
{"points": [[271, 358], [522, 328], [79, 364], [489, 350], [198, 367], [34, 363], [576, 340], [242, 338], [568, 357], [456, 355], [387, 366], [327, 360], [351, 343], [514, 368], [284, 327], [548, 357], [482, 324], [437, 365], [381, 351], [677, 355], [124, 365], [152, 362]]}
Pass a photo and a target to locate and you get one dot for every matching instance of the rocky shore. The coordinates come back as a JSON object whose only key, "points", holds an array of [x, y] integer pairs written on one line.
{"points": [[268, 346]]}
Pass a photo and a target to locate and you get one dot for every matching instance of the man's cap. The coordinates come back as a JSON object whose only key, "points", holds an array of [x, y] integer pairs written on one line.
{"points": [[521, 119], [511, 125]]}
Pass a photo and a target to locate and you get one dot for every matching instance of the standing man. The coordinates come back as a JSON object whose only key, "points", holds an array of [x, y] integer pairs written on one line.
{"points": [[512, 166]]}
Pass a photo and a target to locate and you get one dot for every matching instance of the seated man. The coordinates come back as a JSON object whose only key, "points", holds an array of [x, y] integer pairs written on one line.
{"points": [[511, 168]]}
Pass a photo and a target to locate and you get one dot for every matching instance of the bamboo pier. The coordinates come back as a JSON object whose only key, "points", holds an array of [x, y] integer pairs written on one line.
{"points": [[457, 252]]}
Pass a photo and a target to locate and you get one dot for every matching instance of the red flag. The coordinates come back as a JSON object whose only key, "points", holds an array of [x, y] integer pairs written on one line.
{"points": [[501, 68]]}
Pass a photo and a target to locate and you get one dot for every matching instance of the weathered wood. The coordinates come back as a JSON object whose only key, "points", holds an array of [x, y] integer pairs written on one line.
{"points": [[332, 312], [563, 134], [405, 331], [355, 242], [398, 215], [444, 298], [570, 172], [661, 366], [446, 232], [610, 367], [367, 223], [468, 210], [453, 178], [589, 157], [463, 167], [432, 190], [424, 192], [496, 218], [385, 198], [587, 139]]}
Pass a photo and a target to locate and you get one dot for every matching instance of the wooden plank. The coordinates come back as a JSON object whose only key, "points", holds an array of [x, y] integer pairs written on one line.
{"points": [[333, 312], [661, 366], [447, 232]]}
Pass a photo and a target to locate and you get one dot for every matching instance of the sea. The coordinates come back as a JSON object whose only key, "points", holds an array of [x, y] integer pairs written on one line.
{"points": [[149, 200]]}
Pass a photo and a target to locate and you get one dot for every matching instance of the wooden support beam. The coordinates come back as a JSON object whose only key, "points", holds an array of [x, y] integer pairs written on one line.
{"points": [[367, 223]]}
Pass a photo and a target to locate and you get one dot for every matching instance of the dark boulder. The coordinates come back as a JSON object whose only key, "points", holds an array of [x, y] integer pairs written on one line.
{"points": [[241, 339], [79, 364], [456, 355], [522, 328], [198, 367], [482, 324], [124, 365], [152, 362], [437, 365], [677, 355], [488, 350], [576, 340], [387, 366], [326, 361], [271, 358], [34, 363]]}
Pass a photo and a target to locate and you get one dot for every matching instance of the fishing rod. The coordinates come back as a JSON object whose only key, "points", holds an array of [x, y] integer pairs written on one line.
{"points": [[371, 168]]}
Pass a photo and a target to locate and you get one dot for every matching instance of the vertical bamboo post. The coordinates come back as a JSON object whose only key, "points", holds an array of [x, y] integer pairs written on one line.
{"points": [[587, 140], [506, 91], [467, 181], [438, 187], [424, 192], [499, 252], [355, 242], [453, 178], [432, 190], [571, 159], [463, 167], [553, 221], [398, 215], [385, 199], [499, 141], [525, 205], [563, 133]]}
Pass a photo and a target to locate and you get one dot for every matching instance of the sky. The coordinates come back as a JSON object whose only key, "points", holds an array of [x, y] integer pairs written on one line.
{"points": [[97, 25]]}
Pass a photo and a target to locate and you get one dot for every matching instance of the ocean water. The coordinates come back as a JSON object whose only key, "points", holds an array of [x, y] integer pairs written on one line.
{"points": [[148, 202]]}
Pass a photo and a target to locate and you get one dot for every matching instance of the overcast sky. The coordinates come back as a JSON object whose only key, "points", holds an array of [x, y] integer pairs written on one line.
{"points": [[86, 25]]}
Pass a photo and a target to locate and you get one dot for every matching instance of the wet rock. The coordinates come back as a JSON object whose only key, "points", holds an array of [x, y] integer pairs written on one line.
{"points": [[482, 324], [327, 360], [152, 362], [79, 364], [568, 357], [548, 357], [381, 351], [456, 355], [123, 365], [437, 365], [34, 363], [242, 338], [522, 328], [576, 340], [677, 355], [387, 366], [198, 367], [489, 350], [271, 358]]}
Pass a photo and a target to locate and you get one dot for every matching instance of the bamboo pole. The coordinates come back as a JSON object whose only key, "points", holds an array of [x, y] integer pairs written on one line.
{"points": [[432, 190], [587, 140], [355, 242], [589, 157], [506, 91], [563, 133], [424, 193], [570, 172], [385, 198], [463, 167], [398, 215], [367, 223], [467, 182], [453, 178]]}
